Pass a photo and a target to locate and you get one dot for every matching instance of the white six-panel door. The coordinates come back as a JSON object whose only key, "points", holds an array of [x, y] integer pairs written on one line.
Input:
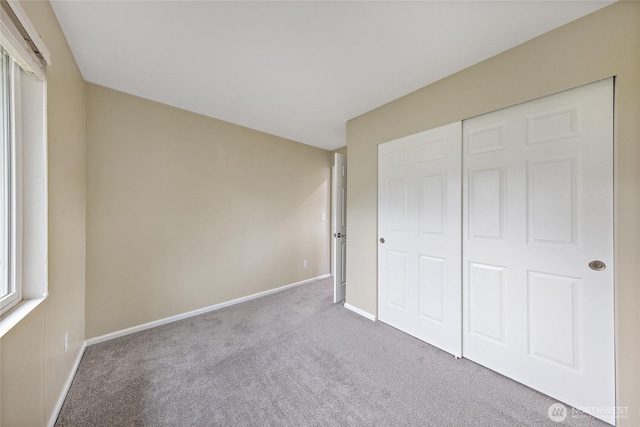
{"points": [[538, 208], [419, 205]]}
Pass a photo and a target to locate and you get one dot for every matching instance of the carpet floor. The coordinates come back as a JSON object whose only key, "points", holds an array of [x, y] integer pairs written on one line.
{"points": [[291, 359]]}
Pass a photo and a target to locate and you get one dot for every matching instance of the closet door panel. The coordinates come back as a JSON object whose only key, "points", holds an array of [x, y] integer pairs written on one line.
{"points": [[538, 209], [419, 226]]}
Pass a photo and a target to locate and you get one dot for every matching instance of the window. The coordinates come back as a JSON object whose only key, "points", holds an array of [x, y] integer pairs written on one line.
{"points": [[23, 166], [10, 288]]}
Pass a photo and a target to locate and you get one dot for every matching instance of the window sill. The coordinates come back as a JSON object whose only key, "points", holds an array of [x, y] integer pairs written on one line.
{"points": [[19, 312]]}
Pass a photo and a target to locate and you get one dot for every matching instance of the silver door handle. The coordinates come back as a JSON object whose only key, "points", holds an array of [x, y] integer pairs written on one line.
{"points": [[382, 240], [597, 265]]}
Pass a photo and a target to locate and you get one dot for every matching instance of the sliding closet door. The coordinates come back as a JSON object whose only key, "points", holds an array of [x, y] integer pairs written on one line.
{"points": [[419, 253], [538, 244]]}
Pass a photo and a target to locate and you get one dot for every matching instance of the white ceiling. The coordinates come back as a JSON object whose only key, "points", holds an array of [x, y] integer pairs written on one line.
{"points": [[294, 69]]}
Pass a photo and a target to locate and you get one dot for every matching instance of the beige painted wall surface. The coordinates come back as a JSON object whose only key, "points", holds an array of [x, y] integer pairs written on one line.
{"points": [[185, 211], [601, 45], [34, 364], [23, 372]]}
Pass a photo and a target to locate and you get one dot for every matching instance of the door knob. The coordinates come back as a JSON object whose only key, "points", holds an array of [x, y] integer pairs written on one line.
{"points": [[597, 265], [382, 240]]}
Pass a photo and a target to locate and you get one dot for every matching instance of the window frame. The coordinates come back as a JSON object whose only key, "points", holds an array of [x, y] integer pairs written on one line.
{"points": [[28, 240], [13, 185]]}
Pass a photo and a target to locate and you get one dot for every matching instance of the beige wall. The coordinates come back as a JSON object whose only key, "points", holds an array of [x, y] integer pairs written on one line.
{"points": [[185, 211], [603, 44], [34, 366]]}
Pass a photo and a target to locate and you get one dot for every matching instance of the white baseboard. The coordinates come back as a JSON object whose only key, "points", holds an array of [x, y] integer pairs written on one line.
{"points": [[65, 389], [203, 310], [360, 312]]}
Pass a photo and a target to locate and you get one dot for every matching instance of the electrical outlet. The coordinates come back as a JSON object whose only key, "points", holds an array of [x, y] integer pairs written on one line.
{"points": [[66, 341], [322, 216], [304, 263]]}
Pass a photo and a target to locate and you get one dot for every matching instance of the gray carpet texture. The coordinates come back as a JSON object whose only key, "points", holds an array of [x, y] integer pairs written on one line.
{"points": [[291, 359]]}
